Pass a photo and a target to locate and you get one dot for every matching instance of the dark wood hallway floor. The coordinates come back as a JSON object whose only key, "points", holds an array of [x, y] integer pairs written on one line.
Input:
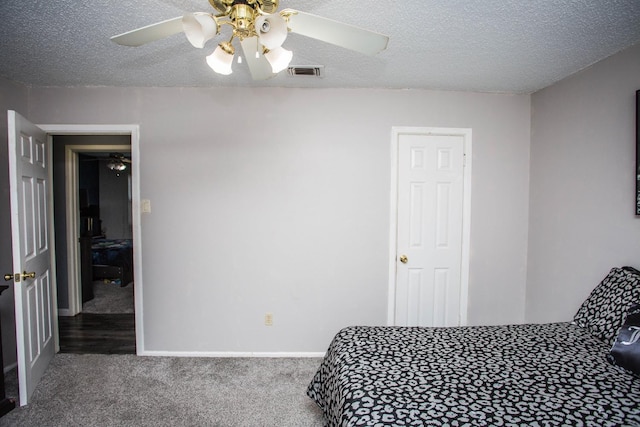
{"points": [[98, 334]]}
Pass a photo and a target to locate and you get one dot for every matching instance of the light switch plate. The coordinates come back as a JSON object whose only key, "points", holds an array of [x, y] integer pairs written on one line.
{"points": [[146, 205]]}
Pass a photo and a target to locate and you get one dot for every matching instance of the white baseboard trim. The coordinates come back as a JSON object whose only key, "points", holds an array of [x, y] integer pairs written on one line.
{"points": [[10, 367], [221, 354], [64, 312]]}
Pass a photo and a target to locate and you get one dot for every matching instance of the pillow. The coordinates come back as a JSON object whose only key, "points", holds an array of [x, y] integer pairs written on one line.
{"points": [[603, 312], [626, 350], [631, 270]]}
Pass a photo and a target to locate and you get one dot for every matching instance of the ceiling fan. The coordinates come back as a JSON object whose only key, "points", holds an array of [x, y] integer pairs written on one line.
{"points": [[116, 162], [261, 30]]}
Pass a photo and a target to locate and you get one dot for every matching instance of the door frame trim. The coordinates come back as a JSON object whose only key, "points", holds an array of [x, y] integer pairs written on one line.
{"points": [[133, 130], [466, 133]]}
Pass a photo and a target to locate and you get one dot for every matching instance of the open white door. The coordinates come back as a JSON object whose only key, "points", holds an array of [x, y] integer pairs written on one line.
{"points": [[31, 237]]}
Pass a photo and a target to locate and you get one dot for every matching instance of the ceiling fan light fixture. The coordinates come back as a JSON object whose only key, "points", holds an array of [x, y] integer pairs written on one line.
{"points": [[272, 30], [116, 165], [279, 58], [221, 59], [199, 28]]}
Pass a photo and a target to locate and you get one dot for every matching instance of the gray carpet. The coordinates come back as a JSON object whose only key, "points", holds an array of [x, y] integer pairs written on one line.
{"points": [[128, 390], [110, 298]]}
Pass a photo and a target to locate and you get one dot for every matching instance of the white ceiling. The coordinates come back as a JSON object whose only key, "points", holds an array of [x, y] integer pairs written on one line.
{"points": [[514, 46]]}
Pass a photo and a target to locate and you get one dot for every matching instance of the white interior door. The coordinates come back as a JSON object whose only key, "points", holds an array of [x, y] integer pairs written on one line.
{"points": [[430, 193], [31, 237]]}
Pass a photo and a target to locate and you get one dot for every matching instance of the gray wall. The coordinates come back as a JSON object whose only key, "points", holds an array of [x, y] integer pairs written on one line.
{"points": [[287, 211], [13, 96], [582, 219], [277, 200], [115, 206]]}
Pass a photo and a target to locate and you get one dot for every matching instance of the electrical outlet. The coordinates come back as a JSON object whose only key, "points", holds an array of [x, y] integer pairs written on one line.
{"points": [[268, 319]]}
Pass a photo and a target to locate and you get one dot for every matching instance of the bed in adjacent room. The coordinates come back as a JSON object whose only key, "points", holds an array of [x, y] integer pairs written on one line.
{"points": [[573, 373], [113, 260]]}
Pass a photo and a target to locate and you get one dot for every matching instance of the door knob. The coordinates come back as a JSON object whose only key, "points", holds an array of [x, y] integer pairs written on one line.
{"points": [[404, 259], [26, 275], [17, 277]]}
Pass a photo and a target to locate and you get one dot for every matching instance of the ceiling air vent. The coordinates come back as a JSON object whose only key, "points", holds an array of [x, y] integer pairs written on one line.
{"points": [[306, 70]]}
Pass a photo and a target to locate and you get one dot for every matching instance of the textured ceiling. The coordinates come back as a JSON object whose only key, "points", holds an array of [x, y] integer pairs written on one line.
{"points": [[488, 46]]}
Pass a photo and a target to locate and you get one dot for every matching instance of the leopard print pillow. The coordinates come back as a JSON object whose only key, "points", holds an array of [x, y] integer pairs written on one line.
{"points": [[604, 311]]}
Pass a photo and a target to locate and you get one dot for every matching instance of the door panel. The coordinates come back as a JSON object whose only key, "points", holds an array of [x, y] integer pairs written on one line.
{"points": [[31, 242], [430, 188]]}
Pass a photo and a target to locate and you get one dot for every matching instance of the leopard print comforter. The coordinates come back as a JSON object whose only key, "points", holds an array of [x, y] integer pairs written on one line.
{"points": [[516, 375]]}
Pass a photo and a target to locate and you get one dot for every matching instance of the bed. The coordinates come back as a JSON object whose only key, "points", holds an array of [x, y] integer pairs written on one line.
{"points": [[534, 374], [112, 260]]}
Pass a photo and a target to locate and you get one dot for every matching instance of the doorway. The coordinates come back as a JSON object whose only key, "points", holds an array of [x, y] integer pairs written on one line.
{"points": [[92, 181], [70, 296], [36, 144]]}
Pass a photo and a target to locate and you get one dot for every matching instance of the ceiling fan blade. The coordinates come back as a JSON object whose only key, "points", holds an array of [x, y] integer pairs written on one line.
{"points": [[337, 33], [259, 67], [150, 33]]}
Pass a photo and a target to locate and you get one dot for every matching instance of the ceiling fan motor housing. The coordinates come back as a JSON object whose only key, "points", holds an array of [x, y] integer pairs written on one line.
{"points": [[243, 17], [225, 6]]}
